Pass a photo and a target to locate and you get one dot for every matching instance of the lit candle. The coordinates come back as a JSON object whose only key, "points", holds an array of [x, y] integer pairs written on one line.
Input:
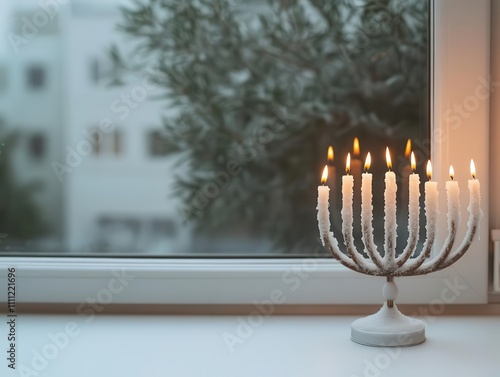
{"points": [[367, 214], [452, 196], [356, 165], [332, 171], [356, 170], [366, 194], [390, 225], [475, 195], [414, 202], [347, 194], [431, 203], [405, 173], [323, 203]]}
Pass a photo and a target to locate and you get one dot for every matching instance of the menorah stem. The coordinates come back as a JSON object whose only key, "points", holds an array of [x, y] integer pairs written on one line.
{"points": [[390, 291]]}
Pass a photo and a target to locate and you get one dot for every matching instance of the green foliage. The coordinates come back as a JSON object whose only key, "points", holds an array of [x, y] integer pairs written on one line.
{"points": [[270, 85]]}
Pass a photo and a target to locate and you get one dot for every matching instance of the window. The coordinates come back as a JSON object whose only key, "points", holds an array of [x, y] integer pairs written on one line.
{"points": [[242, 138], [101, 71], [248, 280], [106, 143], [37, 146], [36, 77]]}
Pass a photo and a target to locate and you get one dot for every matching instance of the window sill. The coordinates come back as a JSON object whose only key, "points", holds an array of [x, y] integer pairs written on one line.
{"points": [[304, 281], [278, 346]]}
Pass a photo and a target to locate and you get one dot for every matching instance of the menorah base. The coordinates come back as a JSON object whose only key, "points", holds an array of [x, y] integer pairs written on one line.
{"points": [[388, 328]]}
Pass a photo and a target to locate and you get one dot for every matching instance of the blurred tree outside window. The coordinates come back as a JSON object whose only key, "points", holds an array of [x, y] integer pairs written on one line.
{"points": [[266, 87]]}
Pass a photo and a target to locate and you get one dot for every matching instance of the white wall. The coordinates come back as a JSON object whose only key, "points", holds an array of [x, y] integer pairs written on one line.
{"points": [[495, 118]]}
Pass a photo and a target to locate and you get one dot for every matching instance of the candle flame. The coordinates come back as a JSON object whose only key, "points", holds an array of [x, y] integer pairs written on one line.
{"points": [[452, 172], [388, 158], [348, 163], [472, 169], [413, 162], [429, 170], [324, 177], [368, 161], [355, 147], [408, 148], [330, 154]]}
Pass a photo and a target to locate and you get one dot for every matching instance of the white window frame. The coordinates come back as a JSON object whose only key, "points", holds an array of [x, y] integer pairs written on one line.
{"points": [[461, 54]]}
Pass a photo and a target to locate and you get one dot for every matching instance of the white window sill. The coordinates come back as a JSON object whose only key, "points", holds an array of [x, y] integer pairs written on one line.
{"points": [[280, 346]]}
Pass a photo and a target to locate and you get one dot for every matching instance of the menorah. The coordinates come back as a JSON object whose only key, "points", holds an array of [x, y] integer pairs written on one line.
{"points": [[389, 327]]}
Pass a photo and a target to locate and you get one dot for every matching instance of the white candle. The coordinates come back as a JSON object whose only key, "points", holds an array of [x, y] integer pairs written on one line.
{"points": [[366, 197], [390, 225], [367, 214], [323, 203], [452, 196], [414, 203], [356, 169], [475, 195], [347, 194], [431, 203]]}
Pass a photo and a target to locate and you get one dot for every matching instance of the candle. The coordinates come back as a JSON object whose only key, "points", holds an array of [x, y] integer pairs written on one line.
{"points": [[431, 203], [356, 166], [323, 203], [405, 173], [366, 196], [332, 171], [367, 214], [452, 196], [390, 224], [347, 195], [475, 195], [356, 170], [414, 203]]}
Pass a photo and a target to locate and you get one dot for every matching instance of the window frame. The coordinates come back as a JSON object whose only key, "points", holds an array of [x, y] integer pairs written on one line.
{"points": [[310, 280]]}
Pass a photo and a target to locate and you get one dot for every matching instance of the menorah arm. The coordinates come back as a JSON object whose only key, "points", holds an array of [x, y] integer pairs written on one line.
{"points": [[371, 248], [367, 237], [409, 268], [347, 229], [356, 256], [432, 265], [459, 253], [411, 246], [331, 243], [472, 227]]}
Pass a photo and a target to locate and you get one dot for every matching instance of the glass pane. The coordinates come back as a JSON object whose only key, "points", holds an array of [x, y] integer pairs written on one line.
{"points": [[200, 128]]}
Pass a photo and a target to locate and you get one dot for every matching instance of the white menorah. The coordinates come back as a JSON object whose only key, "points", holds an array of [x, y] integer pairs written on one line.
{"points": [[389, 327]]}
